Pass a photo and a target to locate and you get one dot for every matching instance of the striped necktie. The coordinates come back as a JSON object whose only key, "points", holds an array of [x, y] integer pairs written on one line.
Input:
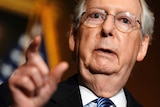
{"points": [[104, 102], [101, 102]]}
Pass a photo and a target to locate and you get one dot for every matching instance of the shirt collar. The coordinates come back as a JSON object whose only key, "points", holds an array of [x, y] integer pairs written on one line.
{"points": [[87, 96]]}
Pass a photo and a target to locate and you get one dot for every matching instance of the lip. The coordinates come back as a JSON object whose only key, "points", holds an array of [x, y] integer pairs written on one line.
{"points": [[105, 51]]}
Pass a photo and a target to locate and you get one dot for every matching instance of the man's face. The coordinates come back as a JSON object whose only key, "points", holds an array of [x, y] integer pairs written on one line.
{"points": [[105, 50]]}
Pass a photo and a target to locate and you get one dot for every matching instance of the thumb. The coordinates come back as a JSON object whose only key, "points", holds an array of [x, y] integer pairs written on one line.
{"points": [[33, 48], [58, 71]]}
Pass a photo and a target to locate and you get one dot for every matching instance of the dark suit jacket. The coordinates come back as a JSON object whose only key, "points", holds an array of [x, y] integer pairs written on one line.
{"points": [[67, 95]]}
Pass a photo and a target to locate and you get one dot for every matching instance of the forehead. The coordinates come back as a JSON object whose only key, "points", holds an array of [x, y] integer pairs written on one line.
{"points": [[114, 6]]}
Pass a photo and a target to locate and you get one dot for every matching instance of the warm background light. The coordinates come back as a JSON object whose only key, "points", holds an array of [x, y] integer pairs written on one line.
{"points": [[54, 16]]}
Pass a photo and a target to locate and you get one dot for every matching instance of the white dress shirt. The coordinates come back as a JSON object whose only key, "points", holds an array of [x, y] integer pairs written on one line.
{"points": [[87, 96]]}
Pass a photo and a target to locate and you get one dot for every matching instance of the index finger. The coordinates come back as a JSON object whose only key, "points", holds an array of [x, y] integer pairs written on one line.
{"points": [[33, 48], [33, 58]]}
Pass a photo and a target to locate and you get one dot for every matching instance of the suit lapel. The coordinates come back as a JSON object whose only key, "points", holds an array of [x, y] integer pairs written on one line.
{"points": [[131, 102], [67, 94]]}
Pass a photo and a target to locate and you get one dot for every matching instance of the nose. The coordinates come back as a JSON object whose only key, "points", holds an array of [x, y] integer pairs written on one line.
{"points": [[108, 26]]}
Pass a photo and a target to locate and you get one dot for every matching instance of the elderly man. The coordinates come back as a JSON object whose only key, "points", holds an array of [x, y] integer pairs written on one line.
{"points": [[107, 37]]}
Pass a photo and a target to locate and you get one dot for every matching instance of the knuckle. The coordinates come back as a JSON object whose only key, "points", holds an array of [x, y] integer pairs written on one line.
{"points": [[25, 79], [34, 70]]}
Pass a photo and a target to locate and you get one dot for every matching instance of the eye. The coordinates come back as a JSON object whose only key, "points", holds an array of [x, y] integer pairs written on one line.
{"points": [[125, 20], [95, 16]]}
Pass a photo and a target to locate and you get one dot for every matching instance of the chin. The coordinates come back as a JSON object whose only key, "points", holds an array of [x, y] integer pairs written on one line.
{"points": [[101, 70]]}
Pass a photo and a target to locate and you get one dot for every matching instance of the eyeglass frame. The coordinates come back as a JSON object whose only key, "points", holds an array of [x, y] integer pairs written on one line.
{"points": [[131, 16]]}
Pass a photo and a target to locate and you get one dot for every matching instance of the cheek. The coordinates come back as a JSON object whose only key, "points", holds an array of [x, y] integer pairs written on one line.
{"points": [[88, 41], [130, 48]]}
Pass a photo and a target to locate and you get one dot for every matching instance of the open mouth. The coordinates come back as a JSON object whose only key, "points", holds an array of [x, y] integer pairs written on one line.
{"points": [[105, 50]]}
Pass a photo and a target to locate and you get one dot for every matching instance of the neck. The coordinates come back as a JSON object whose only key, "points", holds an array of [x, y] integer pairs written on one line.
{"points": [[101, 85]]}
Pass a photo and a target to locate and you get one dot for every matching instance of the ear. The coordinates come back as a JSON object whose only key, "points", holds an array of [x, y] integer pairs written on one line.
{"points": [[71, 39], [143, 48]]}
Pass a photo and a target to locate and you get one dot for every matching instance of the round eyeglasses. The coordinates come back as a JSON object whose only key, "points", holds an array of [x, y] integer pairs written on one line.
{"points": [[95, 17]]}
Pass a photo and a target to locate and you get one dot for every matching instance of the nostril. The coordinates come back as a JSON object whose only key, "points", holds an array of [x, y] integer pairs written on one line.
{"points": [[110, 34], [103, 34]]}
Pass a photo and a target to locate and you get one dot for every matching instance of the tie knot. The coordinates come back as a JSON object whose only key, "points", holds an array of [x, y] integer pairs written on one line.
{"points": [[104, 102]]}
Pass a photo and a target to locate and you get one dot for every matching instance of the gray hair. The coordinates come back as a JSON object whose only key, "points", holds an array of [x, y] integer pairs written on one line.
{"points": [[147, 17]]}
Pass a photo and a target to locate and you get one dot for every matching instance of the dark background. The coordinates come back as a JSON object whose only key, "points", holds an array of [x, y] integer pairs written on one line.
{"points": [[144, 82]]}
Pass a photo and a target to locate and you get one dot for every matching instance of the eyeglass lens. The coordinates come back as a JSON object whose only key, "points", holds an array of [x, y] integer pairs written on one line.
{"points": [[95, 17]]}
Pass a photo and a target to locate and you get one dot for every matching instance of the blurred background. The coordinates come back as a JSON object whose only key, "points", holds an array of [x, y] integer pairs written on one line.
{"points": [[21, 20]]}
